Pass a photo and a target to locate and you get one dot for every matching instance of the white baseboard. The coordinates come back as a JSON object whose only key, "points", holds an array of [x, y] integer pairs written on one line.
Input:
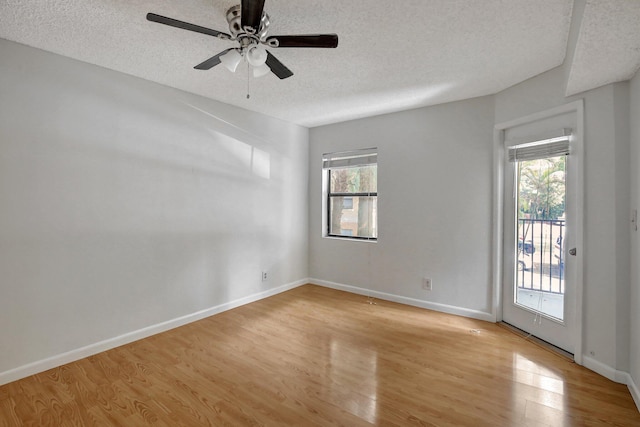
{"points": [[635, 391], [615, 375], [80, 353], [465, 312], [604, 370]]}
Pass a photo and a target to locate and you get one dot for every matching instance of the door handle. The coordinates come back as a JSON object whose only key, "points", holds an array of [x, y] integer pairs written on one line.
{"points": [[573, 251]]}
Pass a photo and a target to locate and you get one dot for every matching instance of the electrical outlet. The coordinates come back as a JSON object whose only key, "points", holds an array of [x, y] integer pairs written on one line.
{"points": [[265, 277], [426, 284]]}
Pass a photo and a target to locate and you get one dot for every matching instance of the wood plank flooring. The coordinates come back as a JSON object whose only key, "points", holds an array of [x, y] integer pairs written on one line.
{"points": [[319, 357]]}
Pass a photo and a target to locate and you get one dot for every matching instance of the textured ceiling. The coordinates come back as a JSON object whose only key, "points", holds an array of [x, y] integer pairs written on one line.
{"points": [[391, 55], [608, 47]]}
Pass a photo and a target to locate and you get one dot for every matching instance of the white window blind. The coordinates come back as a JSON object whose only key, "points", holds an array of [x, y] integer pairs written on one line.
{"points": [[556, 145], [347, 159]]}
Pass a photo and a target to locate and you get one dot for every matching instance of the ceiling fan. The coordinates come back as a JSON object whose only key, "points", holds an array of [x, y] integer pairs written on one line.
{"points": [[249, 26]]}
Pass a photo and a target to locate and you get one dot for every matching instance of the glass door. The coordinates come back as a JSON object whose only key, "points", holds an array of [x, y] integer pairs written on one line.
{"points": [[541, 223], [539, 283]]}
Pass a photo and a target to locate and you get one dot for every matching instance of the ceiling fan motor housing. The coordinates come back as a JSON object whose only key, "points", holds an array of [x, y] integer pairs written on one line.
{"points": [[234, 17]]}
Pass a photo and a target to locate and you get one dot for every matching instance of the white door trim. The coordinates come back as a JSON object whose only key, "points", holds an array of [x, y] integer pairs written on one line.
{"points": [[498, 209]]}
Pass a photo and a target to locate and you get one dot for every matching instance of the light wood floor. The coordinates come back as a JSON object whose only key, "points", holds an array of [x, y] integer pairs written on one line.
{"points": [[314, 357]]}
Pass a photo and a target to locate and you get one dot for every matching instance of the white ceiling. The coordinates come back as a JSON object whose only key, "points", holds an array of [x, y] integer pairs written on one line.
{"points": [[608, 46], [391, 55]]}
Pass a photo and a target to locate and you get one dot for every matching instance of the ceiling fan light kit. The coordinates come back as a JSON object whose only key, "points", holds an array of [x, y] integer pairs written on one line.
{"points": [[249, 27], [261, 70], [256, 55], [231, 60]]}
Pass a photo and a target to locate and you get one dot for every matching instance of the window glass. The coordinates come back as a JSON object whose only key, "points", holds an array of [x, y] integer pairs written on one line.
{"points": [[359, 179], [353, 202]]}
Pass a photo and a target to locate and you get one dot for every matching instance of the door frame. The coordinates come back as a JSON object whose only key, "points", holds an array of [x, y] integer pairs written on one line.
{"points": [[576, 107]]}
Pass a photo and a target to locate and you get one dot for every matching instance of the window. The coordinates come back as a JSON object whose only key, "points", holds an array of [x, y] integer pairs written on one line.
{"points": [[347, 203], [351, 202]]}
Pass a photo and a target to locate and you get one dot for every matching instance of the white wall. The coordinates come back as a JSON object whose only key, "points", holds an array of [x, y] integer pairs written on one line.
{"points": [[634, 353], [622, 146], [124, 204], [606, 241], [434, 187]]}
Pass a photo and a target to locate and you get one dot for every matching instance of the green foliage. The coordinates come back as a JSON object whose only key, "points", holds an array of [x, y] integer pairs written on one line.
{"points": [[541, 188], [354, 180]]}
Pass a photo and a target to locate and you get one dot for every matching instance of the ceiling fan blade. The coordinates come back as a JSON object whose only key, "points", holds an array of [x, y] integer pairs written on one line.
{"points": [[211, 62], [277, 67], [308, 40], [251, 14], [186, 26]]}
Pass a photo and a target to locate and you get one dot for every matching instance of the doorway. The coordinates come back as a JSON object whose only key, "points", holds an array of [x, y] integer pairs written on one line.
{"points": [[539, 233]]}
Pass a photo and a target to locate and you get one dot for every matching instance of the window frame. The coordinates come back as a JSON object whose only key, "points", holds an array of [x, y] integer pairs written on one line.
{"points": [[328, 195]]}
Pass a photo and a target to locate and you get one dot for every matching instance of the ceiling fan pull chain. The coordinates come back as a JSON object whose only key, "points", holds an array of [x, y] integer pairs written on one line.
{"points": [[248, 76]]}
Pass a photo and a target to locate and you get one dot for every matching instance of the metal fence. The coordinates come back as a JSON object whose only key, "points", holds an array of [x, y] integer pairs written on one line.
{"points": [[540, 258]]}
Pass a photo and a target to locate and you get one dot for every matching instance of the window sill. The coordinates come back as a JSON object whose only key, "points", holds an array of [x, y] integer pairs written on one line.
{"points": [[349, 238]]}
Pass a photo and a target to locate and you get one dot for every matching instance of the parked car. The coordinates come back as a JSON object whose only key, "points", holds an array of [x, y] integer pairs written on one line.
{"points": [[526, 246], [525, 261]]}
